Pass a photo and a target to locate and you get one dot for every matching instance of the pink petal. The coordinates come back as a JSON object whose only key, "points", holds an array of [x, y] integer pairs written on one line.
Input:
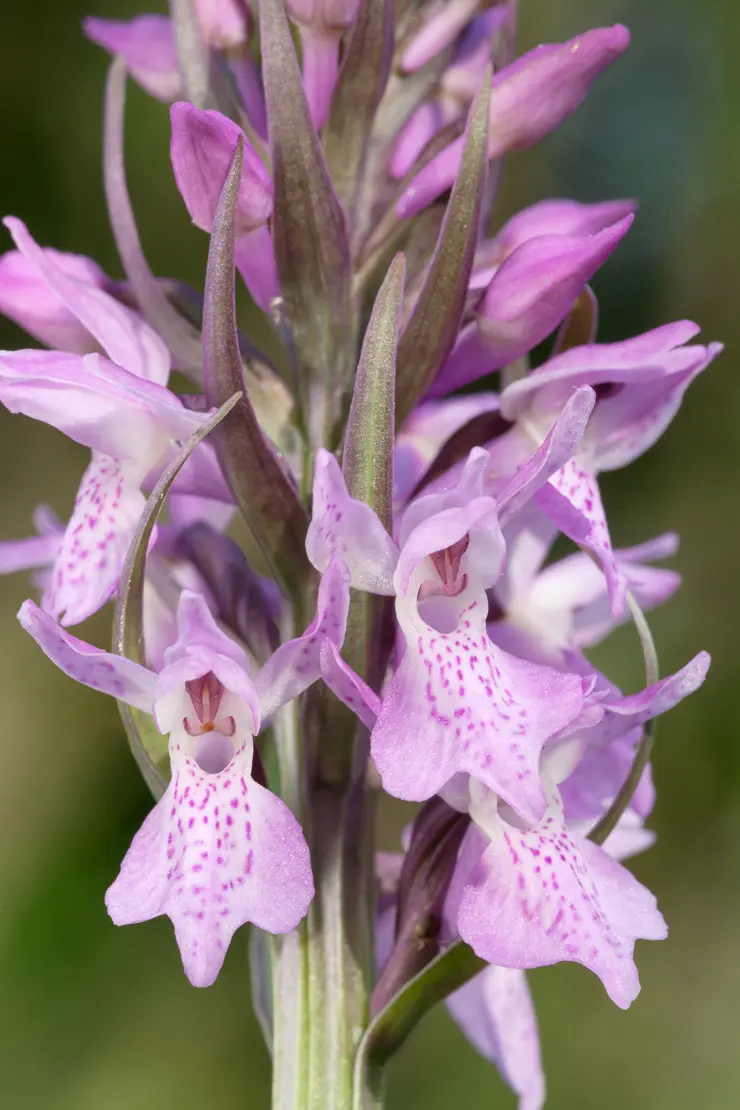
{"points": [[557, 217], [558, 448], [576, 588], [123, 335], [645, 358], [26, 299], [544, 895], [349, 530], [96, 403], [201, 647], [88, 567], [572, 501], [624, 713], [469, 360], [147, 45], [429, 118], [320, 68], [629, 838], [554, 77], [30, 554], [443, 520], [425, 432], [458, 703], [216, 851], [202, 147], [348, 686], [297, 664], [111, 674], [596, 781], [223, 23], [628, 422], [496, 1013], [255, 261], [455, 490], [439, 32], [528, 296]]}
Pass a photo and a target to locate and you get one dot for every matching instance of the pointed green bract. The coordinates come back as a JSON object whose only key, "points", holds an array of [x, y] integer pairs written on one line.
{"points": [[390, 1028], [147, 744], [309, 227], [434, 323], [362, 81], [368, 448], [262, 487]]}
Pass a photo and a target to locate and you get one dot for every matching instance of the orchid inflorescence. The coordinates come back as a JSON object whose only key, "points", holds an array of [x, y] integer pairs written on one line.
{"points": [[405, 525]]}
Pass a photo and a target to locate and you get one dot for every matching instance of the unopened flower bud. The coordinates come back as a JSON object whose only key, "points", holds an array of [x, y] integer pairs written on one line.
{"points": [[529, 99], [223, 23], [202, 147], [527, 298]]}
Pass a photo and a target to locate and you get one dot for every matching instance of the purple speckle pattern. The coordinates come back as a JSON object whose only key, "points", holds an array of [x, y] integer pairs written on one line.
{"points": [[459, 703], [544, 895], [87, 569], [348, 686], [216, 851], [579, 487]]}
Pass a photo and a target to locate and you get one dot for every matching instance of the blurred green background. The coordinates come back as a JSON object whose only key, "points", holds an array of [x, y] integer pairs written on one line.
{"points": [[98, 1018]]}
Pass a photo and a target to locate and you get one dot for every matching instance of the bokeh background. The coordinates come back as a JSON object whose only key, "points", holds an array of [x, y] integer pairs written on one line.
{"points": [[97, 1018]]}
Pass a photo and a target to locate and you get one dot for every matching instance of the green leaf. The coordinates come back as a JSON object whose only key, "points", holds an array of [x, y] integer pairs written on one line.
{"points": [[368, 447], [358, 92], [610, 820], [309, 227], [262, 486], [390, 1028], [435, 320], [148, 745]]}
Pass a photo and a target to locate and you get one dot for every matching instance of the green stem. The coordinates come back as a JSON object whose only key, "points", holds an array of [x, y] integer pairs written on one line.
{"points": [[290, 992], [338, 983], [322, 971]]}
